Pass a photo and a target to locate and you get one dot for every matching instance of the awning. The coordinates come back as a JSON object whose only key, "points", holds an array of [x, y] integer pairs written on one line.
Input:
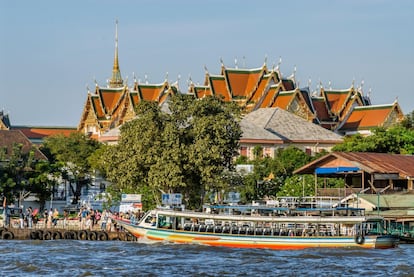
{"points": [[333, 170]]}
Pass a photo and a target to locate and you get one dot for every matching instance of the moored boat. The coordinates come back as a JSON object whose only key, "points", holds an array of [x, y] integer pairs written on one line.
{"points": [[264, 227]]}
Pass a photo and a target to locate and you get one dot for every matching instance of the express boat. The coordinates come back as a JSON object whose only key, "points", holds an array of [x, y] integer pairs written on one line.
{"points": [[279, 228]]}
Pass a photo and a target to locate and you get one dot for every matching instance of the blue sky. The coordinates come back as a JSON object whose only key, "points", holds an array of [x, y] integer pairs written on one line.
{"points": [[51, 51]]}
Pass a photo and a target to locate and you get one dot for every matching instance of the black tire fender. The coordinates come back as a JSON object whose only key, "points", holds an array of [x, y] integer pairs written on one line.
{"points": [[82, 235], [92, 236], [56, 235], [7, 235], [34, 235], [47, 235], [359, 239], [102, 236]]}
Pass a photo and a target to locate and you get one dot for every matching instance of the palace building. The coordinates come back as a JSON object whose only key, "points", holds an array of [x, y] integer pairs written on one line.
{"points": [[110, 106], [343, 111]]}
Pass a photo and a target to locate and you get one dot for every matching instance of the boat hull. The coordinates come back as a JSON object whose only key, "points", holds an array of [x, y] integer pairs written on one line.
{"points": [[259, 241]]}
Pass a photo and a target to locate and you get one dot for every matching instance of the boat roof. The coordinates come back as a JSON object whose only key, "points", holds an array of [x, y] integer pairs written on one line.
{"points": [[280, 219]]}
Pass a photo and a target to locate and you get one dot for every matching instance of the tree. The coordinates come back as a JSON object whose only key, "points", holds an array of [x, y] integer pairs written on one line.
{"points": [[21, 174], [185, 150], [270, 174], [69, 154], [408, 121], [396, 139]]}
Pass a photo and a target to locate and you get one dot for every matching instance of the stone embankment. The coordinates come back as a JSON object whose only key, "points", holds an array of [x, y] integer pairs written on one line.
{"points": [[71, 231]]}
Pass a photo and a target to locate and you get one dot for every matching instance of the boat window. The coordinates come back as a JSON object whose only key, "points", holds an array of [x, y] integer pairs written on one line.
{"points": [[164, 221]]}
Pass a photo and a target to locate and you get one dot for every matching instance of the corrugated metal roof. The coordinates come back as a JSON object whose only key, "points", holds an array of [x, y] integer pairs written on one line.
{"points": [[382, 163]]}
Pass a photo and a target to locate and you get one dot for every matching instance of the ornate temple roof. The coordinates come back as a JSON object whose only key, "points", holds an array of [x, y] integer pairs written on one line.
{"points": [[368, 117]]}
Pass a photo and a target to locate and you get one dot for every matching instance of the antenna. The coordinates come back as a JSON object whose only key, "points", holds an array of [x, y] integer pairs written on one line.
{"points": [[235, 62]]}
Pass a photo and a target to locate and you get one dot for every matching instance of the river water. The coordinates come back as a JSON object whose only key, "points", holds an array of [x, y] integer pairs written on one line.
{"points": [[118, 258]]}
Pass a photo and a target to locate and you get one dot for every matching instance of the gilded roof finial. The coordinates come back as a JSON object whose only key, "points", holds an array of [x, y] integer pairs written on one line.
{"points": [[116, 80], [279, 63]]}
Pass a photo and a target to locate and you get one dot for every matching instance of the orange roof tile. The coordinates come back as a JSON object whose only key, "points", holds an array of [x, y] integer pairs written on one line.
{"points": [[97, 106], [283, 99], [41, 132], [9, 137], [151, 92], [134, 98], [219, 87], [202, 91], [271, 94], [336, 100], [260, 91], [366, 117], [242, 82], [110, 98]]}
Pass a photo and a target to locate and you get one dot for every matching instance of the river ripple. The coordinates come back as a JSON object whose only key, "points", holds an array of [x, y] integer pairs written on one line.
{"points": [[118, 258]]}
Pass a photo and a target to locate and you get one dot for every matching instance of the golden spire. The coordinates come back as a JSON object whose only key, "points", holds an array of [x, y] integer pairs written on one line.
{"points": [[116, 80]]}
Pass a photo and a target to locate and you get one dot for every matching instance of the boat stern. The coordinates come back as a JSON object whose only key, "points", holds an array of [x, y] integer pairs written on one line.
{"points": [[386, 241]]}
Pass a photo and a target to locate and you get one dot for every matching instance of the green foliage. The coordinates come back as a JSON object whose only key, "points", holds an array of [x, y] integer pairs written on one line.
{"points": [[70, 156], [408, 121], [298, 186], [396, 139], [270, 174], [21, 173], [184, 151]]}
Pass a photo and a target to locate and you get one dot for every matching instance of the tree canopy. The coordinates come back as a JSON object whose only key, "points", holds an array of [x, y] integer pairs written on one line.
{"points": [[269, 175], [397, 139], [21, 174], [185, 150], [70, 155]]}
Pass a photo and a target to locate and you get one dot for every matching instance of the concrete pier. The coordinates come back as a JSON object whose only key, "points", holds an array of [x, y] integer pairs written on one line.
{"points": [[69, 234]]}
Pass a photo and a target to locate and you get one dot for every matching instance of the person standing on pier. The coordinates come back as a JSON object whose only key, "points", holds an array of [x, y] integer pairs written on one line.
{"points": [[49, 218], [21, 218], [29, 217]]}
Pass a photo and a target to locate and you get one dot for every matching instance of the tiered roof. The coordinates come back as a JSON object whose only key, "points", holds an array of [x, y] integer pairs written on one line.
{"points": [[109, 107], [259, 88], [363, 118], [340, 110]]}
